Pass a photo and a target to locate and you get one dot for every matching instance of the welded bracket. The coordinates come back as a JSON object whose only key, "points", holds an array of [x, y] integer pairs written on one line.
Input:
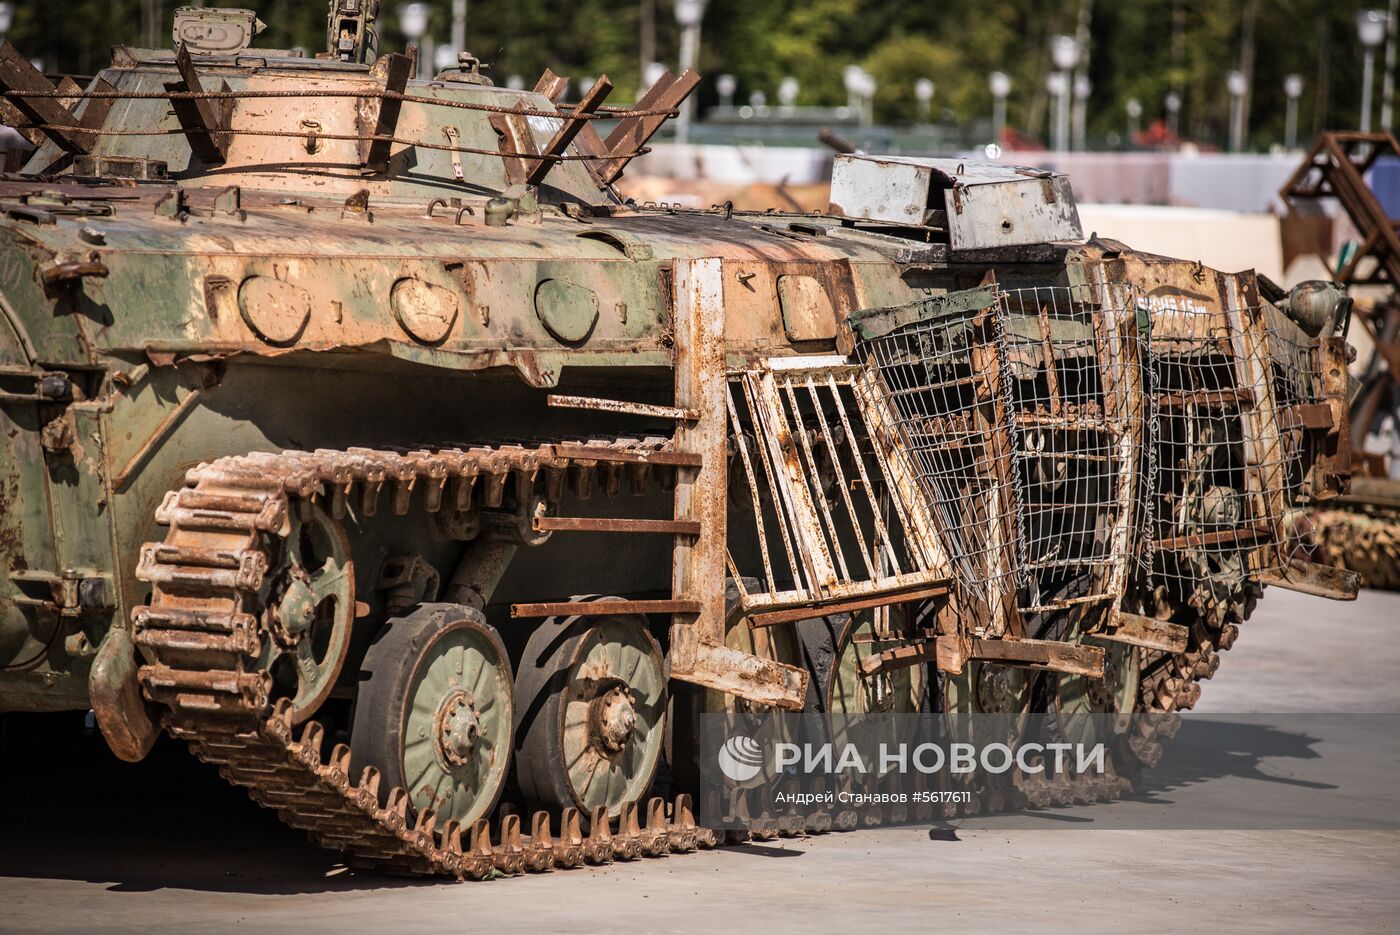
{"points": [[1149, 632], [206, 121], [1337, 584], [698, 653], [375, 154], [952, 652], [573, 122], [632, 133], [57, 121]]}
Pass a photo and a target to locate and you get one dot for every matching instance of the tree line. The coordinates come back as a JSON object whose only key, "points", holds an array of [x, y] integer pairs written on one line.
{"points": [[1136, 49]]}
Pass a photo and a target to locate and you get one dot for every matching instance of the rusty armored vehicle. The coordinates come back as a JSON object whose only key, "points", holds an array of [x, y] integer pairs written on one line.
{"points": [[360, 434]]}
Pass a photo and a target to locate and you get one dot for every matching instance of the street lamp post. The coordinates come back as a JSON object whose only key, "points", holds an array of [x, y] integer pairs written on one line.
{"points": [[923, 94], [1370, 29], [1237, 84], [1064, 50], [726, 85], [1292, 89], [688, 16], [650, 75], [787, 94], [413, 22], [459, 26], [1057, 84], [444, 57], [867, 93], [1082, 90], [850, 79], [999, 83], [1173, 105], [1134, 108], [860, 92], [1388, 72]]}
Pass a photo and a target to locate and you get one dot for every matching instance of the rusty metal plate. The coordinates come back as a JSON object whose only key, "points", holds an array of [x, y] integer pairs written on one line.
{"points": [[808, 313]]}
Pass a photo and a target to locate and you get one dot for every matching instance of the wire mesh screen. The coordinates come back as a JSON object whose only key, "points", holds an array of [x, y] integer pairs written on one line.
{"points": [[1300, 399], [1021, 415], [1073, 375], [829, 512], [1229, 449], [939, 376]]}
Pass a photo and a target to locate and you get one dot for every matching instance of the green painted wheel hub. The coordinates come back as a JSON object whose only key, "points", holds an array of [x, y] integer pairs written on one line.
{"points": [[613, 714], [457, 731]]}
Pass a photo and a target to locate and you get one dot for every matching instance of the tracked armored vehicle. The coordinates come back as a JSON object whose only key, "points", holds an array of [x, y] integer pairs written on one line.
{"points": [[358, 433]]}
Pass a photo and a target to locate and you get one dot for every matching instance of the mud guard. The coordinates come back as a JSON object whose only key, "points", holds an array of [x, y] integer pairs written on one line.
{"points": [[126, 719]]}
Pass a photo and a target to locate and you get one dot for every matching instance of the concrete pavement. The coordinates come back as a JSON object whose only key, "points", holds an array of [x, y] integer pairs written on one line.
{"points": [[87, 844]]}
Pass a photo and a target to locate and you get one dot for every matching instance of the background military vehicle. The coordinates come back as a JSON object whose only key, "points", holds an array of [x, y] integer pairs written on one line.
{"points": [[358, 433]]}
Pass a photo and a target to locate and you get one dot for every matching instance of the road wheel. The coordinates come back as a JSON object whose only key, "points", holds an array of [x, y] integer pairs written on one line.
{"points": [[591, 703], [689, 703], [836, 645], [311, 607], [434, 712]]}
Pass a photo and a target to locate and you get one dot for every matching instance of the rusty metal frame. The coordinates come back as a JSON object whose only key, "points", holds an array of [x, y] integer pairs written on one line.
{"points": [[1336, 584], [1336, 168], [377, 149], [205, 121], [698, 654], [633, 132], [1264, 481], [621, 407], [573, 123], [44, 110], [951, 654], [1137, 630], [994, 414], [795, 408]]}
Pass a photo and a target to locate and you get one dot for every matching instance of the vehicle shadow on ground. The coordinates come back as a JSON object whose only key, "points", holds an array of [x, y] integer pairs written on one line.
{"points": [[1197, 783], [70, 810], [1210, 749]]}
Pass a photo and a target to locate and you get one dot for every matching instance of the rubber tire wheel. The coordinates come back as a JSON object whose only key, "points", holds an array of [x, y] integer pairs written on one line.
{"points": [[387, 674], [821, 639], [540, 691], [684, 720]]}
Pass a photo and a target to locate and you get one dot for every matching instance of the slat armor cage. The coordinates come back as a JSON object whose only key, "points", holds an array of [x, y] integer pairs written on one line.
{"points": [[819, 490], [1022, 412], [1076, 442], [1234, 391]]}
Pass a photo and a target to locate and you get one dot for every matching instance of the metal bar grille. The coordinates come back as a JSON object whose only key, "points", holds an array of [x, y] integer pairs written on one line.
{"points": [[1073, 358], [830, 515]]}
